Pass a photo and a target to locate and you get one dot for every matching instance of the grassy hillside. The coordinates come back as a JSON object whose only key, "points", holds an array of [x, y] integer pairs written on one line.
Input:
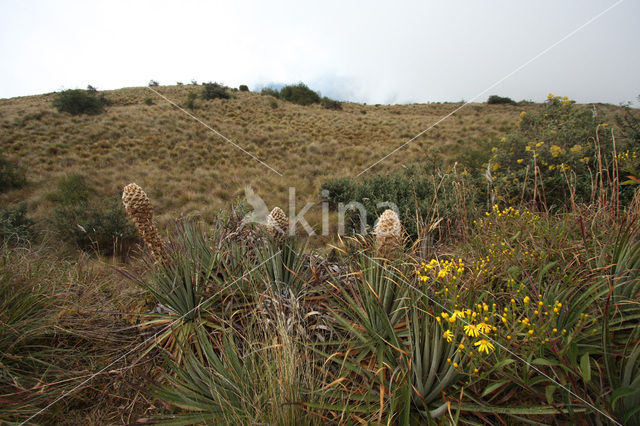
{"points": [[188, 169]]}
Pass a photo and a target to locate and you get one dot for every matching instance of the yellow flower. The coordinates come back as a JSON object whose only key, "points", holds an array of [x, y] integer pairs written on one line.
{"points": [[471, 330], [555, 151], [520, 160], [484, 346], [448, 335], [526, 300], [484, 327]]}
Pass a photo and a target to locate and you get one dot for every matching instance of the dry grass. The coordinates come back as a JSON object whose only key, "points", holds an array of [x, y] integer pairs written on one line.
{"points": [[186, 168]]}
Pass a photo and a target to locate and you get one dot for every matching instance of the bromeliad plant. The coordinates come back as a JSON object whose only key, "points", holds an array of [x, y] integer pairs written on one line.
{"points": [[192, 285], [393, 365]]}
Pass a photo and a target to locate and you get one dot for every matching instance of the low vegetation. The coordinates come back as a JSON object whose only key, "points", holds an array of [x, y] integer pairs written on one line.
{"points": [[214, 91], [495, 99], [77, 101], [504, 292], [12, 176]]}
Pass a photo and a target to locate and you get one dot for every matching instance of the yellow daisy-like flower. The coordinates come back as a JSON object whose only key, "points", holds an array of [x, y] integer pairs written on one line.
{"points": [[484, 346], [448, 335], [484, 327], [471, 330]]}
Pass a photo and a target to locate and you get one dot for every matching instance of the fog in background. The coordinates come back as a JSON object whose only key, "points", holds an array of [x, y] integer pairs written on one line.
{"points": [[363, 51]]}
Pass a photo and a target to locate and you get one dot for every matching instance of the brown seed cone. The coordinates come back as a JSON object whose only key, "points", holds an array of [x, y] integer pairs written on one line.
{"points": [[278, 223], [388, 232], [140, 210]]}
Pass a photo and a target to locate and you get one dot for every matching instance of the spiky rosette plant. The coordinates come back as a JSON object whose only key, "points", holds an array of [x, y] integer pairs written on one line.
{"points": [[200, 273], [139, 208], [388, 233]]}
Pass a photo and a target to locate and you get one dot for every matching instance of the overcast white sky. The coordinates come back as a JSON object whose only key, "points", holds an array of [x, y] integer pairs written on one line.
{"points": [[364, 51]]}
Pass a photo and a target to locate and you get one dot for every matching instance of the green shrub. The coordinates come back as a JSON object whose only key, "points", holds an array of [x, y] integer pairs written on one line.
{"points": [[554, 153], [99, 225], [495, 99], [191, 100], [12, 176], [299, 94], [273, 104], [148, 101], [420, 193], [72, 189], [331, 104], [268, 91], [243, 88], [214, 91], [15, 226], [153, 83], [77, 101]]}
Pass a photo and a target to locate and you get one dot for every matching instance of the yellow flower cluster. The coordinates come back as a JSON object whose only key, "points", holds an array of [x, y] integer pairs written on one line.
{"points": [[576, 149], [441, 273], [627, 155], [555, 151], [477, 330], [564, 100]]}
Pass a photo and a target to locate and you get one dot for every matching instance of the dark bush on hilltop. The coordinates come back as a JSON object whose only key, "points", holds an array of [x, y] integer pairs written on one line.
{"points": [[268, 91], [331, 104], [77, 101], [99, 225], [243, 88], [15, 226], [214, 91], [12, 176], [153, 83], [299, 94], [495, 99]]}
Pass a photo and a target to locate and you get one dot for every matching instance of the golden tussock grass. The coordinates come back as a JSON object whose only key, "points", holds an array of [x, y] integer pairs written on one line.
{"points": [[185, 168]]}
